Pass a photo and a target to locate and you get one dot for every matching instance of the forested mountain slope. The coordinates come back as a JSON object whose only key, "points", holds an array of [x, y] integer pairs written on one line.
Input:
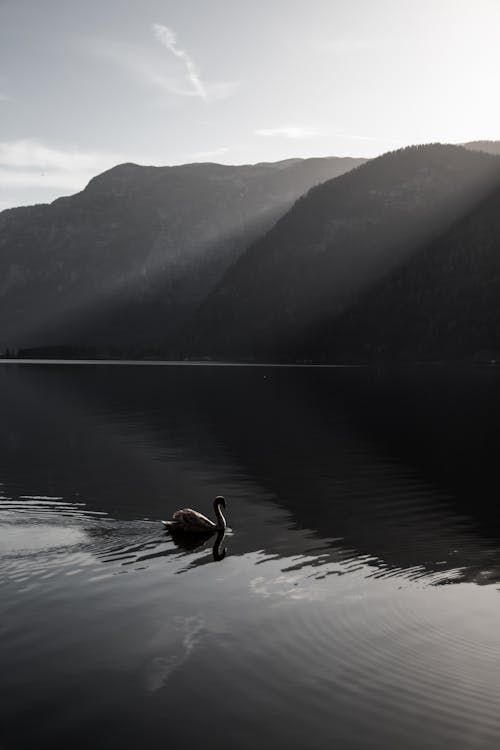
{"points": [[334, 244], [443, 304], [125, 262]]}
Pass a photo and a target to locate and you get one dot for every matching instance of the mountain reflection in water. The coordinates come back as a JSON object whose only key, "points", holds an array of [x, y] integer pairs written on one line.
{"points": [[353, 496]]}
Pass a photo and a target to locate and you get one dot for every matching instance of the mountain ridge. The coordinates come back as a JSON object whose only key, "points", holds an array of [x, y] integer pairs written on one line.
{"points": [[138, 244]]}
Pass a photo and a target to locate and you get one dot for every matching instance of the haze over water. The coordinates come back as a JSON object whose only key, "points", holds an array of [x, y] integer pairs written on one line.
{"points": [[357, 604]]}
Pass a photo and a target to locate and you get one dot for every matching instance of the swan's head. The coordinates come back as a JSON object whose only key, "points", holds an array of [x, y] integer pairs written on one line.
{"points": [[220, 501]]}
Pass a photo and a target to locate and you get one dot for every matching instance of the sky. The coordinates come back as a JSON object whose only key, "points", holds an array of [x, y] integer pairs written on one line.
{"points": [[87, 85]]}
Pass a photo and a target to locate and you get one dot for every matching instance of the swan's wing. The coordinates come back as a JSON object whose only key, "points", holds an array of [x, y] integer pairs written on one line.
{"points": [[191, 520]]}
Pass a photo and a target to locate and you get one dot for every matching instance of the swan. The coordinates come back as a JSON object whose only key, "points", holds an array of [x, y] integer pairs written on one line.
{"points": [[193, 522]]}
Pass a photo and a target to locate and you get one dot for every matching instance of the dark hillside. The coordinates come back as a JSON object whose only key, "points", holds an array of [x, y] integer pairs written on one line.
{"points": [[336, 242], [125, 262], [444, 304]]}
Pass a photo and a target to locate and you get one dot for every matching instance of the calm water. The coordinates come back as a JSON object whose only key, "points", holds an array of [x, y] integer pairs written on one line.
{"points": [[357, 605]]}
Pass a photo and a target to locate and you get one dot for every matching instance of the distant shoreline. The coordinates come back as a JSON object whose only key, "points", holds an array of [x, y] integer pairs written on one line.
{"points": [[167, 362], [385, 366]]}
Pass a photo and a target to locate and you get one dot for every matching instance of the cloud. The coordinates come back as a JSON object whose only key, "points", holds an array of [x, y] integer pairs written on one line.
{"points": [[197, 87], [177, 75], [289, 131], [4, 97], [295, 131], [166, 36], [31, 153], [29, 163], [202, 155]]}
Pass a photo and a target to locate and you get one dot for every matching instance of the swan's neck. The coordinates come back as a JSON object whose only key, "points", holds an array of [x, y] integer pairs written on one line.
{"points": [[221, 521]]}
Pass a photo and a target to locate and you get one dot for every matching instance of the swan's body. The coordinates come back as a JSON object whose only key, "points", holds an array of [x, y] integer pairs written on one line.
{"points": [[193, 522]]}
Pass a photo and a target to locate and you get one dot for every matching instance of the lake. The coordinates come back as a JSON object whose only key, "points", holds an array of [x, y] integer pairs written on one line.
{"points": [[353, 603]]}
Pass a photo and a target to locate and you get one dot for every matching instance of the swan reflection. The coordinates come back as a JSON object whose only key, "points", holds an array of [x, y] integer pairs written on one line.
{"points": [[190, 542], [218, 551]]}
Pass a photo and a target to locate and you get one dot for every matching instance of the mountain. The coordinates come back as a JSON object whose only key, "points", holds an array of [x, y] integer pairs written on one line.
{"points": [[444, 303], [333, 245], [489, 147], [125, 262]]}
